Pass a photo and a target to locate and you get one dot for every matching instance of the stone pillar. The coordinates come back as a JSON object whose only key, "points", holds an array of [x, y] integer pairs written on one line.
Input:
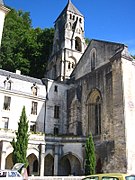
{"points": [[56, 159], [41, 160], [3, 155]]}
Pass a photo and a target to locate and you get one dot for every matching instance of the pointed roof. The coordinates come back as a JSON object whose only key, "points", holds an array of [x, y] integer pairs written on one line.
{"points": [[1, 2], [70, 7]]}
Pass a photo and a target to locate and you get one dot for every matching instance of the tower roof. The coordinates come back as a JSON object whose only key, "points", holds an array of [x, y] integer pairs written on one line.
{"points": [[70, 7], [1, 2]]}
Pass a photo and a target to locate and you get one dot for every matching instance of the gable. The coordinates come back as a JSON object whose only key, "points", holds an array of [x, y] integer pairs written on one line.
{"points": [[97, 54]]}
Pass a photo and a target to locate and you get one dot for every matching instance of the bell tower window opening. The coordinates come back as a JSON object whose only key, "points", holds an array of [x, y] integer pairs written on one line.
{"points": [[78, 45], [80, 20]]}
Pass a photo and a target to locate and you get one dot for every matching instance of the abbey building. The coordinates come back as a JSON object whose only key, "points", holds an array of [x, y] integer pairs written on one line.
{"points": [[87, 89]]}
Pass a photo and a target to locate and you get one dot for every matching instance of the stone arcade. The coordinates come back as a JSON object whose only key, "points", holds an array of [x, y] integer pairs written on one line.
{"points": [[86, 89]]}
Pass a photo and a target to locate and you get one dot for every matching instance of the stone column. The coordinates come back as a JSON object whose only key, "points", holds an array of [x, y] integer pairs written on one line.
{"points": [[3, 155], [56, 159], [41, 160]]}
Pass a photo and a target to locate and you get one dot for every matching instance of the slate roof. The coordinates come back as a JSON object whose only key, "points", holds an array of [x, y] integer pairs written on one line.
{"points": [[70, 7], [1, 2], [20, 77]]}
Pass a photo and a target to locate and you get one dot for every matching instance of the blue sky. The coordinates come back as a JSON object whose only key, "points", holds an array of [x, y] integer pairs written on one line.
{"points": [[110, 20]]}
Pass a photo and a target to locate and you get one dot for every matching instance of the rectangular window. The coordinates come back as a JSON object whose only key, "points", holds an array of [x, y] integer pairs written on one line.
{"points": [[55, 88], [7, 101], [56, 130], [56, 111], [5, 121], [34, 108], [33, 127]]}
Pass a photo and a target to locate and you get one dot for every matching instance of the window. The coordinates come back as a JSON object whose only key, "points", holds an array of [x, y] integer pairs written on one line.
{"points": [[56, 130], [7, 101], [33, 127], [7, 83], [78, 45], [4, 122], [56, 111], [56, 88], [34, 108], [94, 112], [69, 65], [80, 20], [34, 89], [93, 58]]}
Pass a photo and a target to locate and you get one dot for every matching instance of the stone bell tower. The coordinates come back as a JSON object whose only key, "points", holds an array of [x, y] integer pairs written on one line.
{"points": [[3, 12], [68, 44]]}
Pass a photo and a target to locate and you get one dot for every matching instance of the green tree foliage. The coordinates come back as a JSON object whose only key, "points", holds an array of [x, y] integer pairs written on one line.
{"points": [[21, 143], [24, 47], [90, 156]]}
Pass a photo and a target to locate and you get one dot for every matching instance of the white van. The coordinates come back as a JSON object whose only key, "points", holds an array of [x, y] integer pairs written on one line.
{"points": [[8, 174]]}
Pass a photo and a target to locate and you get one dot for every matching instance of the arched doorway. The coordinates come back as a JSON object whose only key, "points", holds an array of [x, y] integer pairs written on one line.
{"points": [[49, 165], [70, 165], [33, 168], [9, 162]]}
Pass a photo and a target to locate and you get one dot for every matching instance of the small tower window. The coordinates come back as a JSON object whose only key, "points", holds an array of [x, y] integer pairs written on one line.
{"points": [[70, 16], [80, 20], [69, 65], [78, 45], [73, 17], [73, 65]]}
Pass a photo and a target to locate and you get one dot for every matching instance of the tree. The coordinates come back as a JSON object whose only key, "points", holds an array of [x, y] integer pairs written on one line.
{"points": [[24, 47], [90, 156], [21, 143]]}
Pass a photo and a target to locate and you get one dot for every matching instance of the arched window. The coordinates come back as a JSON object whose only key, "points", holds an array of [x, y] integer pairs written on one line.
{"points": [[7, 83], [94, 112], [78, 45], [34, 89], [35, 166], [93, 58]]}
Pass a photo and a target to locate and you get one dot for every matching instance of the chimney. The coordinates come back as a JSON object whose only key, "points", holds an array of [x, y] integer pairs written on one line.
{"points": [[18, 72]]}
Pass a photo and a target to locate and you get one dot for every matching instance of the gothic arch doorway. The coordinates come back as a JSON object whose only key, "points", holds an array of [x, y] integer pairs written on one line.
{"points": [[9, 162], [33, 168], [70, 165], [49, 165]]}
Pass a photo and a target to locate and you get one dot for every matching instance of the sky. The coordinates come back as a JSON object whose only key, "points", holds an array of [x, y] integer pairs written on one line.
{"points": [[109, 20]]}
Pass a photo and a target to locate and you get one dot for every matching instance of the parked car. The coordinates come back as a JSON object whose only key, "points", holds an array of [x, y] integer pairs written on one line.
{"points": [[110, 176], [12, 174]]}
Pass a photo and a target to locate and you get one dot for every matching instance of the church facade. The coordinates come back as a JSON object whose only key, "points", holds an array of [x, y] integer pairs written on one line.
{"points": [[87, 89]]}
